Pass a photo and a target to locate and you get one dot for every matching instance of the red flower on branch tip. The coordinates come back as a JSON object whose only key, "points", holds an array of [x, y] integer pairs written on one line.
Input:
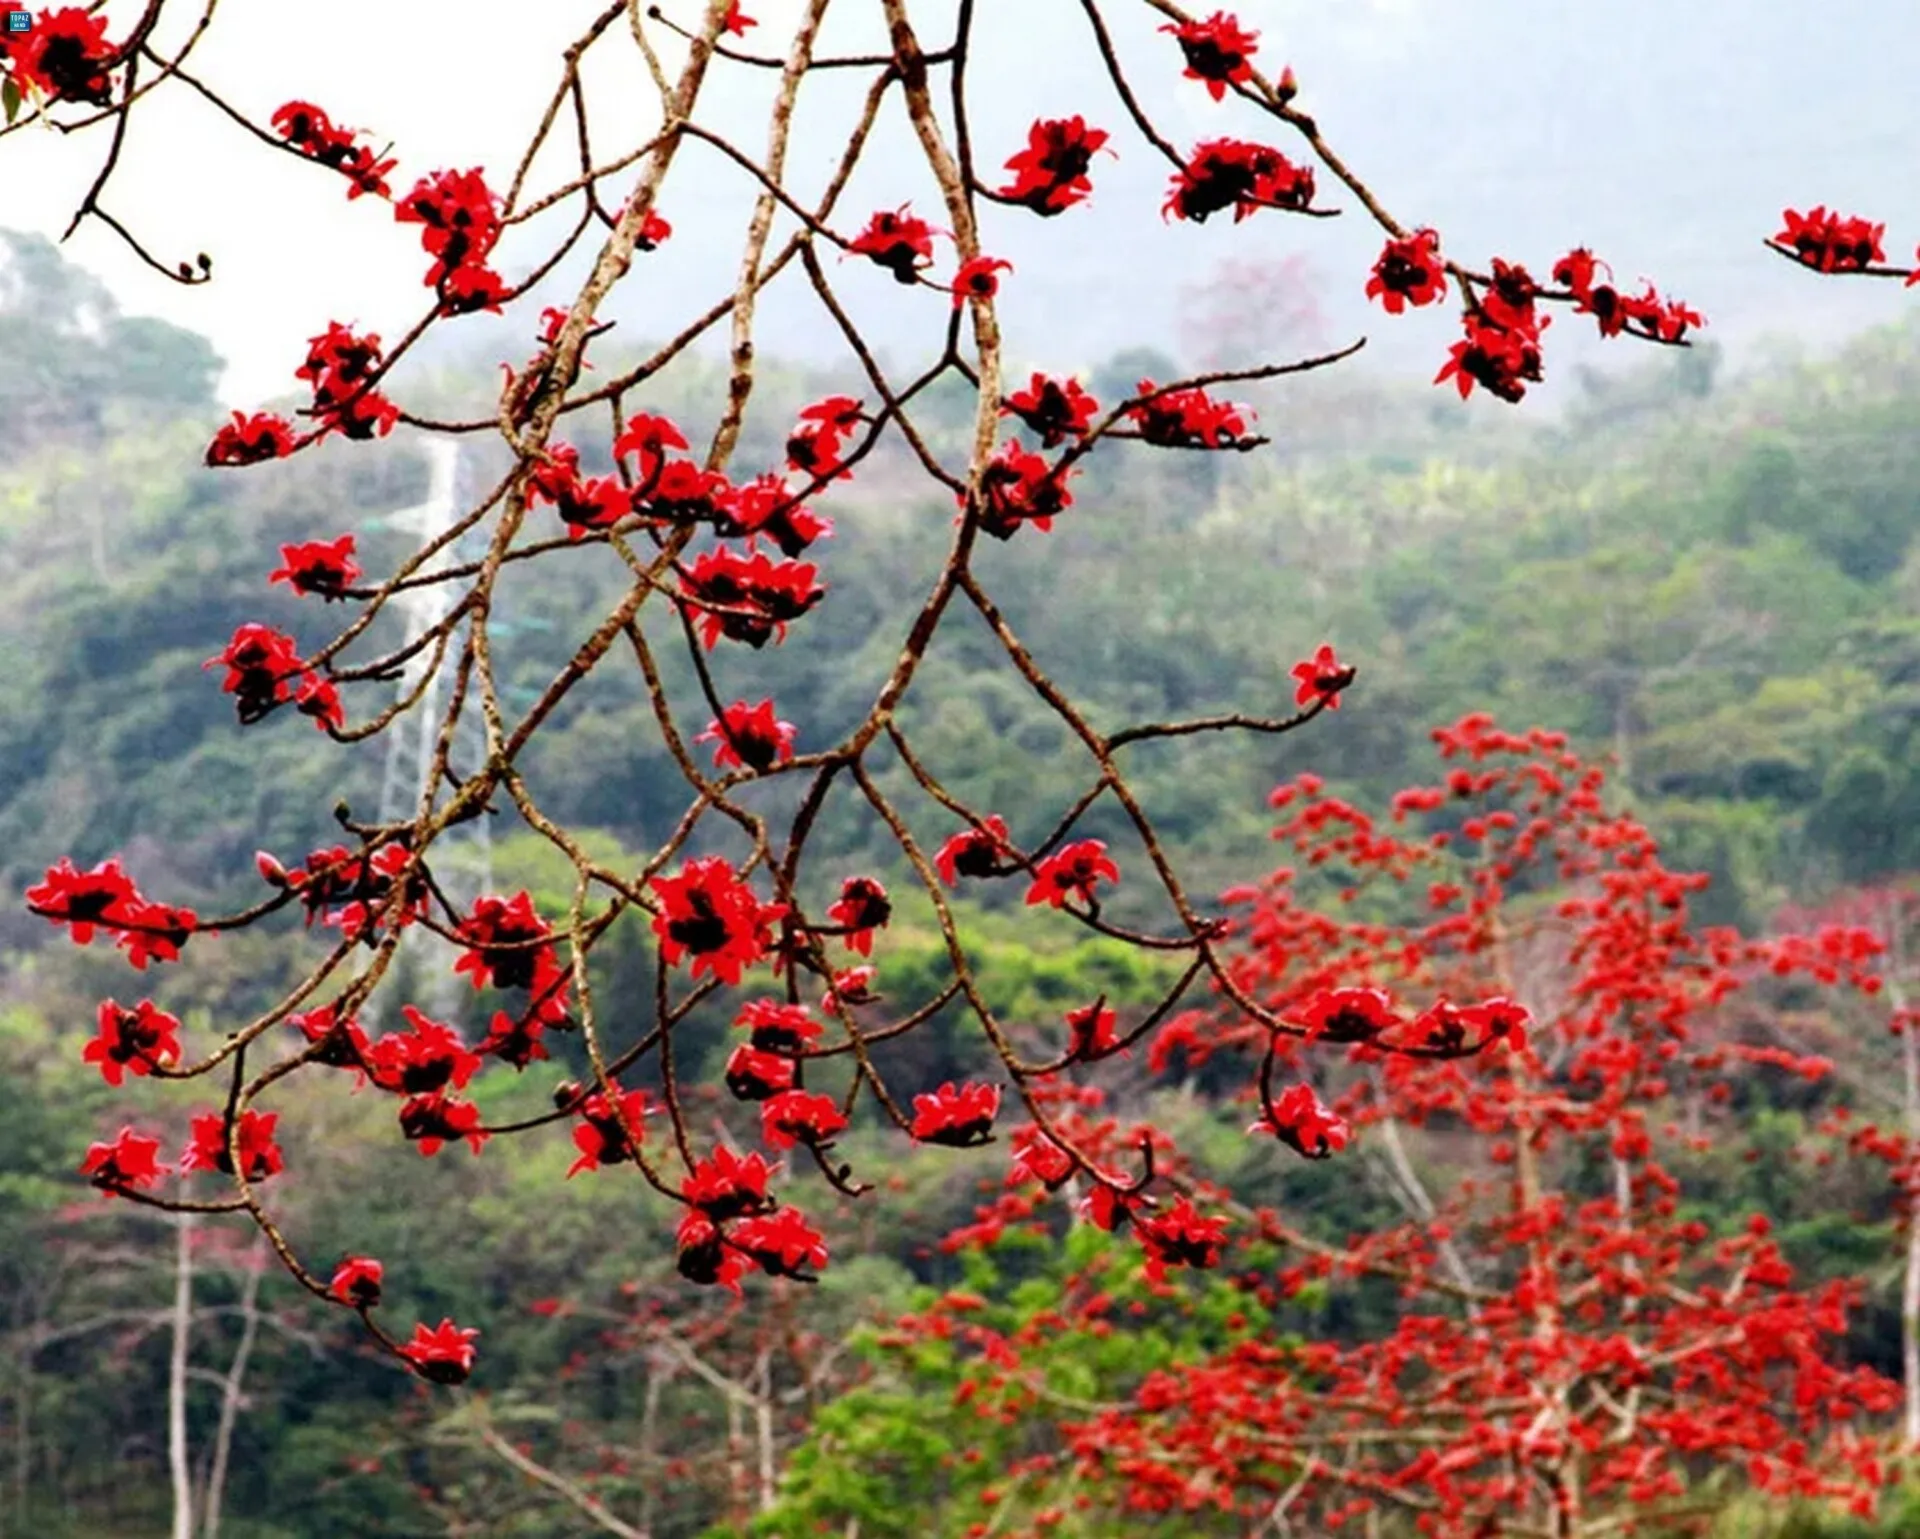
{"points": [[460, 225], [1050, 174], [1091, 1031], [428, 1057], [207, 1147], [131, 1160], [341, 366], [1321, 678], [1346, 1015], [1187, 419], [341, 1044], [443, 1355], [777, 1027], [749, 737], [897, 241], [767, 506], [813, 447], [248, 440], [1073, 871], [155, 932], [654, 231], [1232, 174], [1217, 51], [602, 1135], [262, 665], [318, 698], [1499, 360], [978, 278], [1831, 242], [800, 1117], [727, 1185], [1037, 1158], [704, 1256], [1409, 272], [307, 129], [85, 900], [356, 1282], [1112, 1207], [1181, 1236], [710, 914], [437, 1119], [322, 567], [133, 1041], [1019, 487], [975, 852], [851, 986], [783, 1243], [1055, 409], [63, 57], [862, 908], [755, 1074], [1303, 1122], [735, 21], [511, 947], [959, 1116], [750, 598], [648, 438]]}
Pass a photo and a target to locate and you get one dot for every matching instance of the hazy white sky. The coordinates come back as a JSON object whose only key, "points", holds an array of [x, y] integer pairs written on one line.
{"points": [[1667, 135]]}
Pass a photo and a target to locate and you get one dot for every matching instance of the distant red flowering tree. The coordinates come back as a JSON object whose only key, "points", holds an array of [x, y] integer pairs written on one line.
{"points": [[1573, 1350], [724, 562]]}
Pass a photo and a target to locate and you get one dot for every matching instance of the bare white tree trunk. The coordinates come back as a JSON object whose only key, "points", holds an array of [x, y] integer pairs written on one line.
{"points": [[763, 1424], [256, 1265], [177, 1378]]}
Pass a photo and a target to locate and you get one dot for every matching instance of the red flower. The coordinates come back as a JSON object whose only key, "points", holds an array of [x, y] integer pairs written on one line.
{"points": [[1092, 1031], [1019, 487], [735, 22], [850, 986], [130, 1161], [249, 440], [317, 697], [356, 1281], [437, 1119], [960, 1116], [975, 852], [1217, 51], [978, 279], [1409, 272], [1230, 173], [323, 567], [653, 229], [582, 504], [155, 932], [728, 1185], [1321, 678], [767, 506], [64, 57], [1187, 419], [1072, 872], [1830, 242], [754, 1074], [1347, 1015], [135, 1041], [800, 1117], [777, 1027], [753, 597], [1301, 1120], [429, 1057], [1038, 1158], [1181, 1236], [1494, 357], [749, 737], [709, 913], [813, 447], [1050, 174], [341, 367], [648, 438], [443, 1355], [782, 1242], [898, 242], [1113, 1208], [515, 1040], [512, 948], [307, 129], [862, 908], [1055, 409], [104, 897], [460, 226], [207, 1149], [705, 1257], [261, 664], [341, 1044], [602, 1137]]}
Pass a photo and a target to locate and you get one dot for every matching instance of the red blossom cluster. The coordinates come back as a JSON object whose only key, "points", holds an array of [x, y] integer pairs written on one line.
{"points": [[63, 56], [460, 225], [310, 132]]}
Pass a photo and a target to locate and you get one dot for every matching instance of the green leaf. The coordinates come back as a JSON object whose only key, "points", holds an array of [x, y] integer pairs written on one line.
{"points": [[10, 98]]}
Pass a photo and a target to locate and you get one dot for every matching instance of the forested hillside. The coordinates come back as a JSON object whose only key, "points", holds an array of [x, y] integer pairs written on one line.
{"points": [[1713, 581]]}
